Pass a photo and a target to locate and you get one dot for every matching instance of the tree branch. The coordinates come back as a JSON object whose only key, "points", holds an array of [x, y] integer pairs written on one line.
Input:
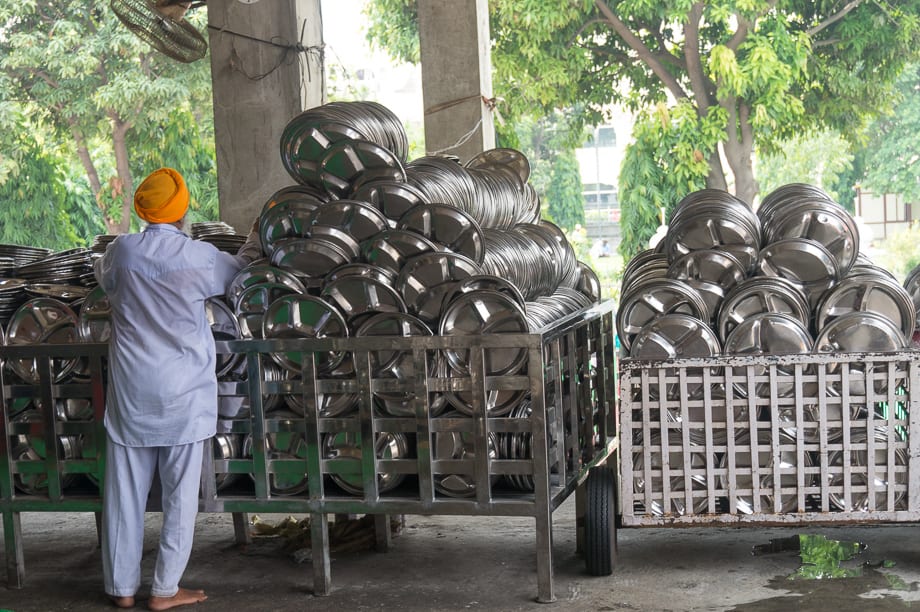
{"points": [[834, 18], [645, 54], [692, 57]]}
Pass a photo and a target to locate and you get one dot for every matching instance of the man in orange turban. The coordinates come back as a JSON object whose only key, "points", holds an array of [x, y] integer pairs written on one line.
{"points": [[162, 197], [161, 402]]}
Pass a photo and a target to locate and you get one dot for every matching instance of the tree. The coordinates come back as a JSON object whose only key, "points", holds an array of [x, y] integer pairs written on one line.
{"points": [[32, 189], [564, 202], [892, 153], [823, 159], [769, 69], [554, 173], [662, 165], [107, 99]]}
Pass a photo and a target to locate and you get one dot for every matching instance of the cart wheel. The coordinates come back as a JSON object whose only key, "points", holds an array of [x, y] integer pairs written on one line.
{"points": [[600, 522]]}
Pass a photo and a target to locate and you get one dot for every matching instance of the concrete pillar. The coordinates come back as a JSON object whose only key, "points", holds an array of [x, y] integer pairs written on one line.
{"points": [[260, 83], [456, 76]]}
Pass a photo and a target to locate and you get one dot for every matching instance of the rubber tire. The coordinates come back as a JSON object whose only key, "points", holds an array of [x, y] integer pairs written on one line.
{"points": [[600, 522]]}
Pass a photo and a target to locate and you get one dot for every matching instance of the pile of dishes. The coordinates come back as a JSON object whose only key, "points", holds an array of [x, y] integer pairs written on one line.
{"points": [[788, 279], [367, 244]]}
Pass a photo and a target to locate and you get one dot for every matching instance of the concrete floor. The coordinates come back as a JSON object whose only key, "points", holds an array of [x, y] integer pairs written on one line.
{"points": [[462, 563]]}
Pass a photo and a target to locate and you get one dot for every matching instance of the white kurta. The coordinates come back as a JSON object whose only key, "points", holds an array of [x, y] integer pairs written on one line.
{"points": [[162, 386], [162, 396]]}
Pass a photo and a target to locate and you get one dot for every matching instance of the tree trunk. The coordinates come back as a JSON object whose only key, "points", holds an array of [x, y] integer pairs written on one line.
{"points": [[739, 149], [125, 184]]}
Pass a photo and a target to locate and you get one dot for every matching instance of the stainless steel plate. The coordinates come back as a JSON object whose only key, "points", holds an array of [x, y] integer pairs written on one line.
{"points": [[358, 297], [95, 317], [253, 302], [347, 446], [645, 303], [42, 321], [484, 312], [304, 316], [758, 295], [347, 160], [392, 198], [803, 262], [445, 225], [361, 221], [674, 336], [391, 249], [425, 281], [878, 295]]}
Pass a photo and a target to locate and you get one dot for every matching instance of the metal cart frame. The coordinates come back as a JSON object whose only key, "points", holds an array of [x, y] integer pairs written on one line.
{"points": [[835, 439], [569, 375]]}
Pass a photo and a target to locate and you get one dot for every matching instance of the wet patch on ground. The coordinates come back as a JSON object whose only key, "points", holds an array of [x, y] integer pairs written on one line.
{"points": [[833, 576]]}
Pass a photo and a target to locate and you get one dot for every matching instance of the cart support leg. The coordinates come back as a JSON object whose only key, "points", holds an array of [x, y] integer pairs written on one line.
{"points": [[319, 536], [98, 517], [580, 505], [382, 538], [241, 533], [545, 592], [15, 560]]}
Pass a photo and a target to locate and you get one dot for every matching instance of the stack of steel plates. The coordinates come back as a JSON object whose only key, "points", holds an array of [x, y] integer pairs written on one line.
{"points": [[73, 266], [786, 280], [220, 234], [22, 255], [101, 242], [7, 266], [12, 295]]}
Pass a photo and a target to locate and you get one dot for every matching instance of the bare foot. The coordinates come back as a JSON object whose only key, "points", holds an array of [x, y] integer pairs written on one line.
{"points": [[183, 597], [122, 602]]}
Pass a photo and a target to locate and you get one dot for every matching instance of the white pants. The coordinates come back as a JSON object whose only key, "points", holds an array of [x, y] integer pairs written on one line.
{"points": [[129, 473]]}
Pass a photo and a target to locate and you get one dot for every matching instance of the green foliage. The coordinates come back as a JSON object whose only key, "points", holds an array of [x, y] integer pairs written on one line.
{"points": [[757, 72], [103, 97], [37, 203], [660, 167], [394, 27], [564, 200], [901, 252], [548, 143], [821, 558], [823, 159], [893, 149]]}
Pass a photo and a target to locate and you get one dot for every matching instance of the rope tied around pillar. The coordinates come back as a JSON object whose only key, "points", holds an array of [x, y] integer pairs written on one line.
{"points": [[490, 103], [291, 52]]}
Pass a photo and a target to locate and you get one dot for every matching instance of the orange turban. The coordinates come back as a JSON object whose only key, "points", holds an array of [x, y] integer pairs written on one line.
{"points": [[162, 197]]}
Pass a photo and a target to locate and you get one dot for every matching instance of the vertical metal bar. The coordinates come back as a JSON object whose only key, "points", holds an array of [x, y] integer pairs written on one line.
{"points": [[581, 503], [422, 409], [313, 436], [241, 532], [257, 426], [821, 390], [625, 435], [800, 455], [775, 451], [49, 434], [15, 559], [368, 426], [845, 420], [891, 477], [542, 509], [483, 459], [208, 487], [913, 435], [870, 435], [319, 540], [382, 533]]}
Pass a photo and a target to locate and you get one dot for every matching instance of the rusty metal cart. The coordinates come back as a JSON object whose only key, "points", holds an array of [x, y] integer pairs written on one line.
{"points": [[563, 443], [772, 440]]}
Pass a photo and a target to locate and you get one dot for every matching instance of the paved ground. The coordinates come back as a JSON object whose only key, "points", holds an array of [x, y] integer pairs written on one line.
{"points": [[460, 563]]}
